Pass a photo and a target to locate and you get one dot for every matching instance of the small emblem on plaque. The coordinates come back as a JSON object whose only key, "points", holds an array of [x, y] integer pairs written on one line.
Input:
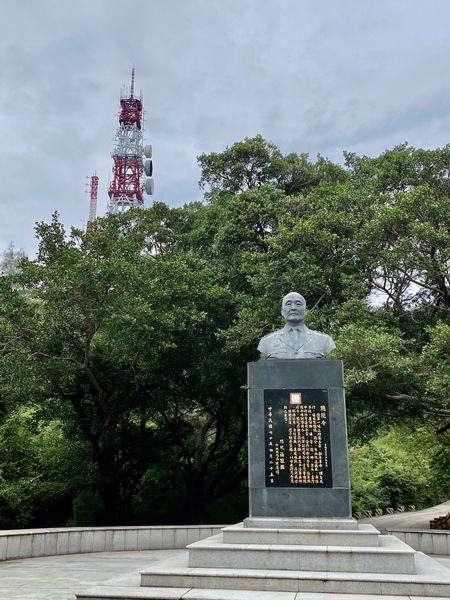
{"points": [[296, 398]]}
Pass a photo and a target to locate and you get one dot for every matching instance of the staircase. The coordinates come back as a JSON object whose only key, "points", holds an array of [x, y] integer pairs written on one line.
{"points": [[290, 564]]}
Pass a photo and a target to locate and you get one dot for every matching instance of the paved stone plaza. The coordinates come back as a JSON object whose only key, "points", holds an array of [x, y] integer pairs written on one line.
{"points": [[61, 577]]}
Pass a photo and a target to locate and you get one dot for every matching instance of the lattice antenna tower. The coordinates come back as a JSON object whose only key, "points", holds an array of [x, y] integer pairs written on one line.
{"points": [[93, 193], [132, 161]]}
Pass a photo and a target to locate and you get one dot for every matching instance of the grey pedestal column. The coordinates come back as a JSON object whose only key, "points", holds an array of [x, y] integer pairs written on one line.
{"points": [[291, 500]]}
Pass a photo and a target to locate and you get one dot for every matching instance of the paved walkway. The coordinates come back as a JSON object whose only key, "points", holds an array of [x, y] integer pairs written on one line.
{"points": [[61, 577], [419, 519]]}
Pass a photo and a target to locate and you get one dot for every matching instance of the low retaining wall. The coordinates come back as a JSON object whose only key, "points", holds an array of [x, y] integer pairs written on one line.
{"points": [[30, 543], [433, 541]]}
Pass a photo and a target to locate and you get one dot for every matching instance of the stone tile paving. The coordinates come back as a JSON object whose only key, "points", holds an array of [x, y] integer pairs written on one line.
{"points": [[60, 577]]}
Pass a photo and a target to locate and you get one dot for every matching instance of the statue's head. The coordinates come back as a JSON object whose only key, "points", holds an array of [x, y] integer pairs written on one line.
{"points": [[293, 308]]}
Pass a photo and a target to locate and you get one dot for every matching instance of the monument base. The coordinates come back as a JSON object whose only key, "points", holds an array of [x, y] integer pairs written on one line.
{"points": [[298, 523], [259, 562]]}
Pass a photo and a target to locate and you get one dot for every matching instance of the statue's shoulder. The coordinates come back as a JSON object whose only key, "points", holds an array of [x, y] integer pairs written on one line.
{"points": [[322, 340], [272, 335], [269, 341]]}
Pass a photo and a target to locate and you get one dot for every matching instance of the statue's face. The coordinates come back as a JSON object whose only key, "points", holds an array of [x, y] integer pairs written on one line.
{"points": [[293, 308]]}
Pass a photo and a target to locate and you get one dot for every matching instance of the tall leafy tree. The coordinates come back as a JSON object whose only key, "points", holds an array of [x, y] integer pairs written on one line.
{"points": [[408, 235], [10, 260], [120, 342]]}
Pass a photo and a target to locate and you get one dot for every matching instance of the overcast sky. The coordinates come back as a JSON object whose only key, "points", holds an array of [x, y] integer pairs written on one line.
{"points": [[315, 76]]}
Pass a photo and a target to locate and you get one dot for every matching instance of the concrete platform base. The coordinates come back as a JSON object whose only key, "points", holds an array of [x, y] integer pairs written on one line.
{"points": [[198, 594], [430, 579], [390, 556], [364, 535], [241, 563], [291, 523]]}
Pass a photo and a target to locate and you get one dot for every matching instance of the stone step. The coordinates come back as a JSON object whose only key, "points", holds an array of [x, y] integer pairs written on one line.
{"points": [[104, 593], [391, 556], [300, 523], [365, 535], [430, 580]]}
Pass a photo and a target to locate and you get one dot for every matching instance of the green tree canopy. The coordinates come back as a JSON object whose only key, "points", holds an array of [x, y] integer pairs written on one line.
{"points": [[132, 341]]}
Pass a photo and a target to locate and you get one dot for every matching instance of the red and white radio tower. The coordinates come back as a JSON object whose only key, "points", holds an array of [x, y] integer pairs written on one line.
{"points": [[127, 187], [93, 190]]}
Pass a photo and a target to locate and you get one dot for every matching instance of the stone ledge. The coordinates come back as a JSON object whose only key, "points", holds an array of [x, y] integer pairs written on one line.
{"points": [[31, 543], [300, 523], [431, 580], [429, 541], [391, 556], [365, 535]]}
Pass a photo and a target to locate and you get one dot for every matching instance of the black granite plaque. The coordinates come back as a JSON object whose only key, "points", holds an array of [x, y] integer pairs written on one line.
{"points": [[297, 438], [313, 501]]}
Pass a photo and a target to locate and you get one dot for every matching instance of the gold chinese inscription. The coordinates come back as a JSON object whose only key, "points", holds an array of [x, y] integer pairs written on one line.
{"points": [[297, 438]]}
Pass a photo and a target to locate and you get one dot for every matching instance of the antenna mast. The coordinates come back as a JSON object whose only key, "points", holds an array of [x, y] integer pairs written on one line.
{"points": [[93, 192], [127, 187]]}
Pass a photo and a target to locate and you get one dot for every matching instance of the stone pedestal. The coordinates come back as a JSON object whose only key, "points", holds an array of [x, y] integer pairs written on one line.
{"points": [[278, 389]]}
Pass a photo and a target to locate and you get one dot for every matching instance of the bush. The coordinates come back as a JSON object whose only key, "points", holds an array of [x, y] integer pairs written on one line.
{"points": [[88, 510], [400, 467]]}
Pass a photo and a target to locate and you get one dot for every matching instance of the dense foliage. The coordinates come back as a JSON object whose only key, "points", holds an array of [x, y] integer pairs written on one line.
{"points": [[124, 351]]}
